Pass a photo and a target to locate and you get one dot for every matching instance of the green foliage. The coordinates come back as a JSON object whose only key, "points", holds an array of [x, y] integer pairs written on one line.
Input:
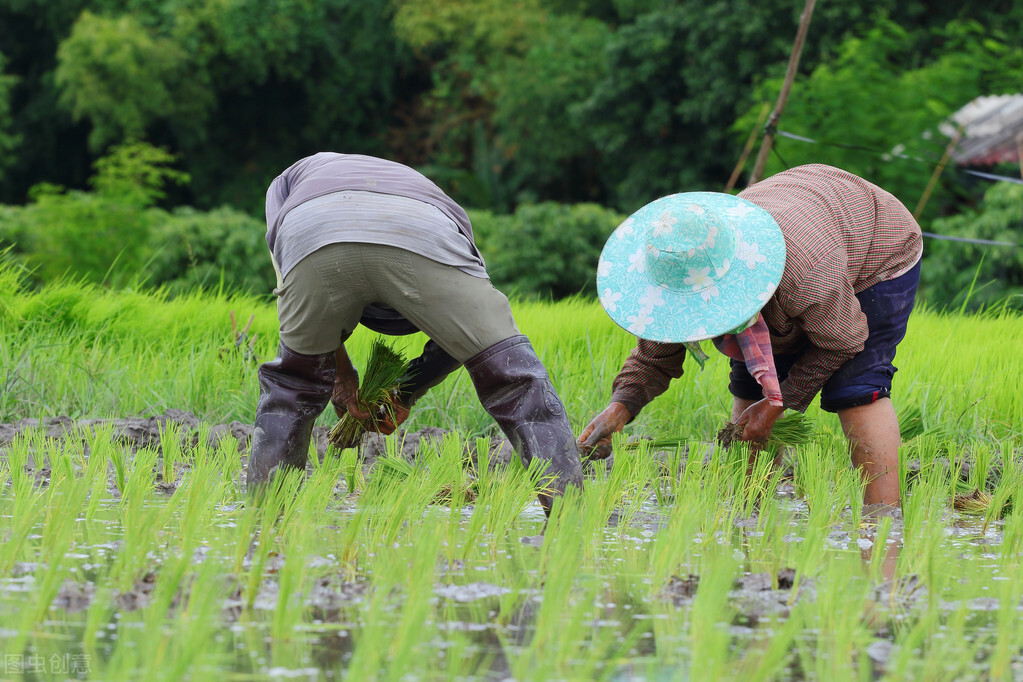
{"points": [[84, 235], [121, 77], [8, 140], [476, 25], [900, 125], [193, 249], [135, 173], [99, 236], [241, 90], [546, 250], [673, 76], [987, 274], [536, 122]]}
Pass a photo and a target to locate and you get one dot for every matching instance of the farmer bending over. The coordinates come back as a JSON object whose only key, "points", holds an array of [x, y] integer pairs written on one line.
{"points": [[360, 239], [806, 280]]}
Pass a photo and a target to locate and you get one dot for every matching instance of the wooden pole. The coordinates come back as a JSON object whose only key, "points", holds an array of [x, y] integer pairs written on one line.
{"points": [[783, 96], [748, 148], [937, 173]]}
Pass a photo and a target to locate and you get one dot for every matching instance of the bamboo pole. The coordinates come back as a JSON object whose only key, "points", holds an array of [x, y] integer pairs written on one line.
{"points": [[748, 148], [937, 173], [783, 96]]}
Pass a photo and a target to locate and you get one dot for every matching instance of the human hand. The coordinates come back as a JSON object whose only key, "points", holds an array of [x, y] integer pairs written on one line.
{"points": [[345, 397], [758, 419], [387, 419], [595, 440]]}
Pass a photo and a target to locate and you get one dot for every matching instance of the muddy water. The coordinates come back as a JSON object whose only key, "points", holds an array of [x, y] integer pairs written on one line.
{"points": [[467, 596]]}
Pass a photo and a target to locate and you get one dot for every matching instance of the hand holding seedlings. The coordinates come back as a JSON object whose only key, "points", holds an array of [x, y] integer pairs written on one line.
{"points": [[374, 406], [757, 420], [595, 440]]}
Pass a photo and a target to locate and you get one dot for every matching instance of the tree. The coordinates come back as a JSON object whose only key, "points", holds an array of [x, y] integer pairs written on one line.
{"points": [[122, 78], [956, 272], [8, 139], [879, 119]]}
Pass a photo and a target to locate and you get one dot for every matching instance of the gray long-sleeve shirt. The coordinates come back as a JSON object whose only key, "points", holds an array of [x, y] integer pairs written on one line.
{"points": [[444, 235]]}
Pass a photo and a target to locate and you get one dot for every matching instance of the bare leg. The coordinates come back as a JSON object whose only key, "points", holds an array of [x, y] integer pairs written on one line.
{"points": [[739, 406], [873, 434]]}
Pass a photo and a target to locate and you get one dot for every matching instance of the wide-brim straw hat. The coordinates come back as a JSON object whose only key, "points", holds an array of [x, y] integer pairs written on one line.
{"points": [[690, 266]]}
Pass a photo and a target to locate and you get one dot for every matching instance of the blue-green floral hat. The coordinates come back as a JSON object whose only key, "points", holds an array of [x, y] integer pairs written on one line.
{"points": [[690, 266]]}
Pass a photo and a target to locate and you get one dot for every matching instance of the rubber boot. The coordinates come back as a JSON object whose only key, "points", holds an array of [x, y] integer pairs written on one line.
{"points": [[515, 389], [293, 390]]}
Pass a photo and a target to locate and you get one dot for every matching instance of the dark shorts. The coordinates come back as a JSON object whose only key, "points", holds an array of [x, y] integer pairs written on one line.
{"points": [[867, 376]]}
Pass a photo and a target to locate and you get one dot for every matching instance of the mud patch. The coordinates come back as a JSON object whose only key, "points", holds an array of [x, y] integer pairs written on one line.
{"points": [[135, 433], [730, 433]]}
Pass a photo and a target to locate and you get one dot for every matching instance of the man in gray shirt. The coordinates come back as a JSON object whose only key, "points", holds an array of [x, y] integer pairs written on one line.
{"points": [[356, 239]]}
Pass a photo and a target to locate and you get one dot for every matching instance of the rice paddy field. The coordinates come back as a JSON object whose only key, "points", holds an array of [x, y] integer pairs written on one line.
{"points": [[140, 559]]}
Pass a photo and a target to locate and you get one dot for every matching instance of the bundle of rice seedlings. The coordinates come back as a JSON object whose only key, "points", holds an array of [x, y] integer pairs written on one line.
{"points": [[971, 501], [911, 422], [792, 429], [400, 469], [789, 431], [377, 393]]}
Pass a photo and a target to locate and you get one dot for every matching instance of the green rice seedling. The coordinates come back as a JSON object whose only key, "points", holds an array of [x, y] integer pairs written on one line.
{"points": [[911, 422], [1003, 661], [709, 616], [564, 643], [245, 537], [140, 473], [377, 393], [26, 507], [791, 430], [200, 491], [289, 610], [822, 484], [1006, 490], [923, 537], [229, 464], [393, 636], [754, 480], [275, 503], [119, 458], [879, 550], [63, 499], [142, 523], [763, 546], [170, 449], [351, 469], [767, 657], [842, 637], [174, 630]]}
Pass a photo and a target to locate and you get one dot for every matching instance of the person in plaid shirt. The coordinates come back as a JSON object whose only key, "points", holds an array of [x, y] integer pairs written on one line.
{"points": [[851, 263]]}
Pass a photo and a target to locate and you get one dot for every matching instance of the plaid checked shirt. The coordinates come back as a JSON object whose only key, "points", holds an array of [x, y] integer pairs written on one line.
{"points": [[842, 235]]}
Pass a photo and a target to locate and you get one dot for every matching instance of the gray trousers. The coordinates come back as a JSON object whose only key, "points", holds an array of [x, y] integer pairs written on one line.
{"points": [[322, 298]]}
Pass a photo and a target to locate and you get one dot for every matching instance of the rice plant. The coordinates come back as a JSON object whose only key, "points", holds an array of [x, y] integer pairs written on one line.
{"points": [[671, 563]]}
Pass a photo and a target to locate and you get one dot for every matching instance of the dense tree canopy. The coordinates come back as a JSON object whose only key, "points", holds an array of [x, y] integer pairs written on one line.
{"points": [[506, 103], [612, 101]]}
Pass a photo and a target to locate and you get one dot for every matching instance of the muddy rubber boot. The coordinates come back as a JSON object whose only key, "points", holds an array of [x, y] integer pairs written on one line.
{"points": [[516, 391], [293, 390]]}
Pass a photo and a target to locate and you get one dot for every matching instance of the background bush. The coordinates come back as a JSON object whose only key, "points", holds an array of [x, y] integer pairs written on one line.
{"points": [[194, 249], [949, 267], [545, 250]]}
